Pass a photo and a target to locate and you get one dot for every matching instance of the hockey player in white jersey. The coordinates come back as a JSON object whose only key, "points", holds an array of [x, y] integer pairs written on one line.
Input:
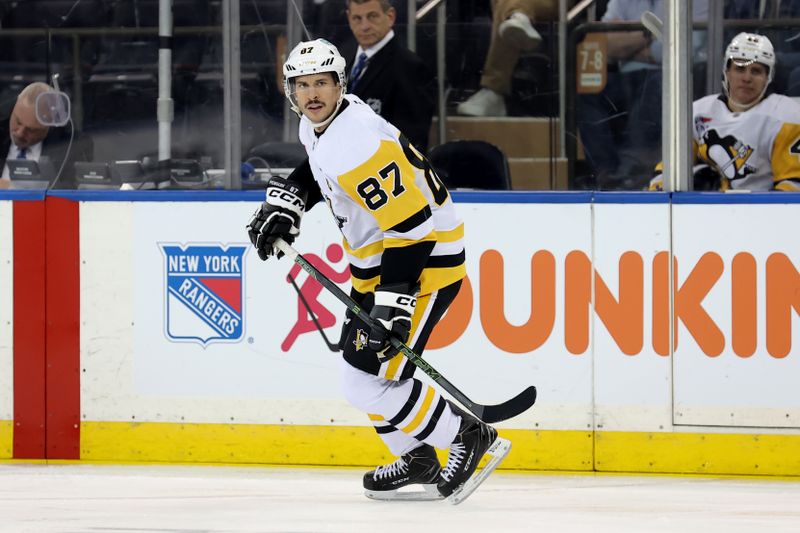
{"points": [[742, 139], [404, 242]]}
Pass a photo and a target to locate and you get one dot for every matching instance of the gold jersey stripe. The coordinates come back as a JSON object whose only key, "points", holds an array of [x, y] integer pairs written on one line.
{"points": [[423, 410], [402, 243], [784, 161], [402, 196], [377, 247], [452, 235], [375, 418], [432, 279], [365, 251]]}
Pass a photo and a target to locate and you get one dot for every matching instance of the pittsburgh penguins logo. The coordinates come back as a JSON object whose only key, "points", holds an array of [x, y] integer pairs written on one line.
{"points": [[728, 154], [360, 341]]}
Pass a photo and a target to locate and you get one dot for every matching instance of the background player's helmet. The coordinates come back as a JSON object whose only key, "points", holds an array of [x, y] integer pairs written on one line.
{"points": [[746, 49], [313, 57]]}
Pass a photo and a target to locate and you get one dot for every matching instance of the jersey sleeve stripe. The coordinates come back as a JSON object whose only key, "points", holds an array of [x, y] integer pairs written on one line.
{"points": [[450, 235], [789, 184], [365, 273], [413, 221], [448, 248], [365, 251], [394, 242], [446, 261]]}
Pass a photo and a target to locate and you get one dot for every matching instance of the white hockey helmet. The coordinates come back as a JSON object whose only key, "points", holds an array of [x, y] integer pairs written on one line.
{"points": [[746, 49], [313, 57]]}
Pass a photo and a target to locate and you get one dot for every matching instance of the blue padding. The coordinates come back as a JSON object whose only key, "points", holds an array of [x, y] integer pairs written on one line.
{"points": [[467, 197], [631, 197], [22, 195], [774, 197], [160, 196], [522, 197]]}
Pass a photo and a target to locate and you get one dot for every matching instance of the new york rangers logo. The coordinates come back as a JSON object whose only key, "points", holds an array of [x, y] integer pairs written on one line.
{"points": [[203, 292]]}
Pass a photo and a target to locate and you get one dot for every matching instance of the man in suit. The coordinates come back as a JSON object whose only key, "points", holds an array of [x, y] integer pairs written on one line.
{"points": [[22, 136], [391, 79]]}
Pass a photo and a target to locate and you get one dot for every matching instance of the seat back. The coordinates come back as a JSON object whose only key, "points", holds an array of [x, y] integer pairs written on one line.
{"points": [[277, 154], [471, 165]]}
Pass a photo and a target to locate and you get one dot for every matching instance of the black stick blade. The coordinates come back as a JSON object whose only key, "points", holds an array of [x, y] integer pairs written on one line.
{"points": [[508, 409]]}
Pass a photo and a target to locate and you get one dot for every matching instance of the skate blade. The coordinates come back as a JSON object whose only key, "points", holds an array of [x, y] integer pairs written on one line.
{"points": [[498, 450], [430, 493]]}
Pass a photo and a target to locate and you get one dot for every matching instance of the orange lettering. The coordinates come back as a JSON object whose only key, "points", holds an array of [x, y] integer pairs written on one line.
{"points": [[688, 304], [743, 305], [783, 296], [624, 319], [661, 303], [577, 296], [532, 334]]}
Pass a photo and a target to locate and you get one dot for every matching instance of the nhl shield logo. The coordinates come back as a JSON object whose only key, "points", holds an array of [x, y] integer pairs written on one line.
{"points": [[204, 292]]}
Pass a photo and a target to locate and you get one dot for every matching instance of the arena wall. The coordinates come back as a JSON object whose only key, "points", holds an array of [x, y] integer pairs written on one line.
{"points": [[566, 291]]}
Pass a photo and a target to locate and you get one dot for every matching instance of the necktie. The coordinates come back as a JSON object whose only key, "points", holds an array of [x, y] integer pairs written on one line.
{"points": [[357, 69], [22, 153]]}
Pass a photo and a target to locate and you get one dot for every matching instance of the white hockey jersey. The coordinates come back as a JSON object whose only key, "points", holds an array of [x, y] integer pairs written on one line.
{"points": [[383, 194], [756, 150]]}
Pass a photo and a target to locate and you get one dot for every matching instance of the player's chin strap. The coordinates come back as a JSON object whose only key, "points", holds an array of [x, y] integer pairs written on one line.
{"points": [[737, 107], [740, 108], [488, 413]]}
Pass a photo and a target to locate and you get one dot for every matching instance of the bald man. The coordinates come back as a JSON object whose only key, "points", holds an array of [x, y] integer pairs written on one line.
{"points": [[22, 136]]}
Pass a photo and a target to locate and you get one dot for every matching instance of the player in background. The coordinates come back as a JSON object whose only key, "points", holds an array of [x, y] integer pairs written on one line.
{"points": [[404, 243], [742, 139]]}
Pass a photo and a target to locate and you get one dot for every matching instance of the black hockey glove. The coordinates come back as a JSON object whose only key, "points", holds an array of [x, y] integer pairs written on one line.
{"points": [[393, 309], [346, 326], [278, 217]]}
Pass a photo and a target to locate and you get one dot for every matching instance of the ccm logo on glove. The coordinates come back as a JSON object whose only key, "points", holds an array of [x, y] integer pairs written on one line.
{"points": [[393, 309], [278, 217], [284, 198]]}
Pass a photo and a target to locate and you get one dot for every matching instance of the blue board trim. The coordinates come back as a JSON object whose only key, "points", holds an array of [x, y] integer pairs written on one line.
{"points": [[466, 197]]}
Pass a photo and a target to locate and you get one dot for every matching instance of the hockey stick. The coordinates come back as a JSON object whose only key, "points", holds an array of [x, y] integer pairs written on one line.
{"points": [[488, 413], [331, 346], [653, 24]]}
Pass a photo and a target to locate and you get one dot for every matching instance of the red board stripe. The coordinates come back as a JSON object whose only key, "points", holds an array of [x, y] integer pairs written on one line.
{"points": [[63, 329], [29, 330]]}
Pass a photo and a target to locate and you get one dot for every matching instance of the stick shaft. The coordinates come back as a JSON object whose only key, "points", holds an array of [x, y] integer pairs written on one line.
{"points": [[488, 413], [351, 304]]}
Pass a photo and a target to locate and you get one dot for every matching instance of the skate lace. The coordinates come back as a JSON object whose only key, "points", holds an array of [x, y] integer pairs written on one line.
{"points": [[457, 453], [390, 470]]}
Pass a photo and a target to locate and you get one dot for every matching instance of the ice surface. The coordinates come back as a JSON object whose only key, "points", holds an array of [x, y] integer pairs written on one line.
{"points": [[71, 498]]}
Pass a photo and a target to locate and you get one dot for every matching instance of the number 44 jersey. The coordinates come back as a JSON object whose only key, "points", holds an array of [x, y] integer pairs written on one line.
{"points": [[757, 150], [383, 194]]}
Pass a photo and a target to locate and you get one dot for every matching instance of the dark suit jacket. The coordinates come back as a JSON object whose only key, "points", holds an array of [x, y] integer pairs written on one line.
{"points": [[54, 146], [399, 87]]}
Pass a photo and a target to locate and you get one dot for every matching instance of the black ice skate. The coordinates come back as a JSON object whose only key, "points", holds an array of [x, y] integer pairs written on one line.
{"points": [[474, 439], [420, 466]]}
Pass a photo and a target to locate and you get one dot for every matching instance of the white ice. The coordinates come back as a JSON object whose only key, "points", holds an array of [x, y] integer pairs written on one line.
{"points": [[71, 498]]}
